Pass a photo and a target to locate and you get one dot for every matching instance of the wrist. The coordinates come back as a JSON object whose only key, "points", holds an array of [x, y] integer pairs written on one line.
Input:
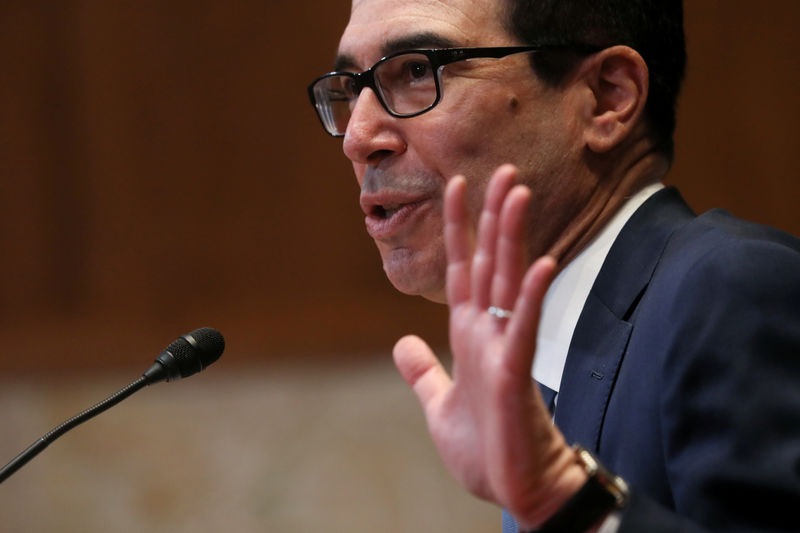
{"points": [[554, 495], [601, 494]]}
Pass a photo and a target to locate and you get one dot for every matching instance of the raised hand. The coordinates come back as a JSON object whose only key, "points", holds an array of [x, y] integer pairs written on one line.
{"points": [[488, 421]]}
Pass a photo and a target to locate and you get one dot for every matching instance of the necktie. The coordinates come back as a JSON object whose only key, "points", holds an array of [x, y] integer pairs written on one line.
{"points": [[549, 397]]}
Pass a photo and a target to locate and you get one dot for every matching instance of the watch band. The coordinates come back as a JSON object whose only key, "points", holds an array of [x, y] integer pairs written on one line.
{"points": [[602, 493]]}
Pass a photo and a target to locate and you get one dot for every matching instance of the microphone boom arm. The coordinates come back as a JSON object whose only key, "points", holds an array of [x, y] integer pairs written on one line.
{"points": [[37, 447], [185, 356]]}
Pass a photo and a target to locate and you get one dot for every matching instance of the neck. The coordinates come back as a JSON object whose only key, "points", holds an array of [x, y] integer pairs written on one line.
{"points": [[639, 166]]}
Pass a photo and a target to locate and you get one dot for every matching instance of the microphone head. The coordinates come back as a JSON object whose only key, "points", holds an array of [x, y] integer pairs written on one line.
{"points": [[187, 355]]}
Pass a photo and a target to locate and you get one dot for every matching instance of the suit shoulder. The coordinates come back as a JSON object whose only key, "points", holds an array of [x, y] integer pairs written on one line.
{"points": [[716, 248], [725, 278]]}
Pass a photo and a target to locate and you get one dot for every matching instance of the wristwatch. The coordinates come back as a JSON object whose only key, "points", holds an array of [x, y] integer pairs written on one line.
{"points": [[602, 493]]}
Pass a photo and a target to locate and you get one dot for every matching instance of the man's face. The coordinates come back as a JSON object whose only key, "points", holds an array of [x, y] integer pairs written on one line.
{"points": [[492, 112]]}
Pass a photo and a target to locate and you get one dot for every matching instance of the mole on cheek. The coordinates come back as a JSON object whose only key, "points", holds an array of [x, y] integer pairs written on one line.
{"points": [[513, 103]]}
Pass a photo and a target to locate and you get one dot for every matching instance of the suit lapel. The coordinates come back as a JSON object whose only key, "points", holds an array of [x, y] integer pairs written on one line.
{"points": [[604, 327], [591, 367]]}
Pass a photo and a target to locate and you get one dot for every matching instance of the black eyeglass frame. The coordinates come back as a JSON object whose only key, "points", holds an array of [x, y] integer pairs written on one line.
{"points": [[438, 58]]}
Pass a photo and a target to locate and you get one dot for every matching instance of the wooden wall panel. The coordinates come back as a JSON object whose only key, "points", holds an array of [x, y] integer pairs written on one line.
{"points": [[737, 140], [162, 170]]}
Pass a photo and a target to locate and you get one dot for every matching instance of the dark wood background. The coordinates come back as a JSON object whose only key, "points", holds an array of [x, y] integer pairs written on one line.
{"points": [[161, 170]]}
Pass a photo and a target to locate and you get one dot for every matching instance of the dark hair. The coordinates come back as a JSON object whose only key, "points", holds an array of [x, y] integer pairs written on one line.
{"points": [[654, 28]]}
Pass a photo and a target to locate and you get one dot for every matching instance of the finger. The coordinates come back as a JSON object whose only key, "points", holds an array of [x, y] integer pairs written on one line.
{"points": [[483, 264], [510, 255], [524, 324], [457, 241], [421, 370]]}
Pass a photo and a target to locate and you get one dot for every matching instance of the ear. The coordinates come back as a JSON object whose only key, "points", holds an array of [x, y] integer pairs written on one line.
{"points": [[618, 80]]}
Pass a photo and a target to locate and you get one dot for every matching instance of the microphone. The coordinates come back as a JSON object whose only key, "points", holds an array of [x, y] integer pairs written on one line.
{"points": [[186, 355]]}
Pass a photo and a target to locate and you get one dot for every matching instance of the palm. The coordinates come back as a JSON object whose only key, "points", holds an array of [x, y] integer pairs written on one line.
{"points": [[488, 422]]}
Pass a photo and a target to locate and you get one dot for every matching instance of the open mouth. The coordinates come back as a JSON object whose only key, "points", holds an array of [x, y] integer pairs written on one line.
{"points": [[387, 220], [385, 212]]}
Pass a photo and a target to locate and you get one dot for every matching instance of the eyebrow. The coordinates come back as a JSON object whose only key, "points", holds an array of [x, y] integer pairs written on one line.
{"points": [[400, 44]]}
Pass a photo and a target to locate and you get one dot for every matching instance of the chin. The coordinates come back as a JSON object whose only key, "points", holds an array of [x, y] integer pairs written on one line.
{"points": [[416, 276]]}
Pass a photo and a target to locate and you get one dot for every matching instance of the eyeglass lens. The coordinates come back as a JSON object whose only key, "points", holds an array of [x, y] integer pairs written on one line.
{"points": [[405, 84]]}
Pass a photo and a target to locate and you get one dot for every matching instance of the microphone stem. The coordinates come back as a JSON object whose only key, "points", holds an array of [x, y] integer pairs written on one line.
{"points": [[34, 449]]}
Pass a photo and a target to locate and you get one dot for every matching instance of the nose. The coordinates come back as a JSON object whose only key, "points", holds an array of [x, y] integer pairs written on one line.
{"points": [[372, 134]]}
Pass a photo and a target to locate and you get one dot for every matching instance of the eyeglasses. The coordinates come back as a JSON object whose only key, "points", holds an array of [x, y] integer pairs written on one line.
{"points": [[406, 84]]}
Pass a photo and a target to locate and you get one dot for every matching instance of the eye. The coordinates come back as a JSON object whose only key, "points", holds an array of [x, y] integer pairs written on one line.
{"points": [[417, 70], [404, 72]]}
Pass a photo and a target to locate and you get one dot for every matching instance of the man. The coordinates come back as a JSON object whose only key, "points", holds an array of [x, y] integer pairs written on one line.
{"points": [[669, 344]]}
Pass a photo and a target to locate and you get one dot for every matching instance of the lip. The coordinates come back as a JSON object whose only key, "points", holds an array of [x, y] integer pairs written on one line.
{"points": [[380, 227]]}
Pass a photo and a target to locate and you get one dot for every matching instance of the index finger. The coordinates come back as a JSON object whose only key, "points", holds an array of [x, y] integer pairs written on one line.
{"points": [[458, 242]]}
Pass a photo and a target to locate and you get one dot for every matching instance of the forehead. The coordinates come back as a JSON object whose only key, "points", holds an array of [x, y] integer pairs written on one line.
{"points": [[379, 27]]}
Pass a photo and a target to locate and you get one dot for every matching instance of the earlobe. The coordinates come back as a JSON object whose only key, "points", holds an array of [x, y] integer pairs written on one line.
{"points": [[618, 79]]}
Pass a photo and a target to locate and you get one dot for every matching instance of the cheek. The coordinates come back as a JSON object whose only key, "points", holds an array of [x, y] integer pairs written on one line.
{"points": [[461, 142]]}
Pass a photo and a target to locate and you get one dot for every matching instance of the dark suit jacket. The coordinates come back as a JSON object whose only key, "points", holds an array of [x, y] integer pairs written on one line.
{"points": [[683, 374]]}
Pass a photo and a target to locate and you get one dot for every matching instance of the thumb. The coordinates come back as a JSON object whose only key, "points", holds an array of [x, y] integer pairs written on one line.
{"points": [[421, 369]]}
